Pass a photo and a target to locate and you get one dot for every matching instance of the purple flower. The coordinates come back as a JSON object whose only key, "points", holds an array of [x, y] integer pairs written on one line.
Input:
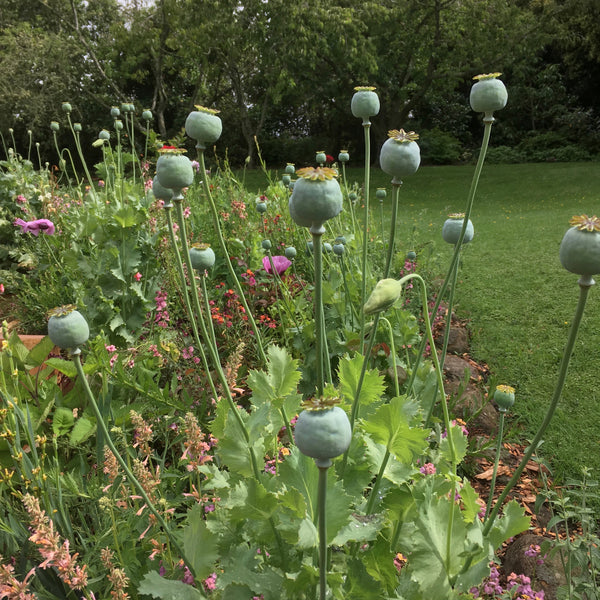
{"points": [[281, 264], [36, 226]]}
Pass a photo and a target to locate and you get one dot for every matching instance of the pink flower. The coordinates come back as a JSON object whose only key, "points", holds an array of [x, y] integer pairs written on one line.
{"points": [[137, 276], [43, 225], [428, 469], [1, 288], [281, 264]]}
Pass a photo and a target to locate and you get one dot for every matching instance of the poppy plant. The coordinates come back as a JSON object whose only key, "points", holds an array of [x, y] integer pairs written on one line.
{"points": [[280, 263], [35, 227]]}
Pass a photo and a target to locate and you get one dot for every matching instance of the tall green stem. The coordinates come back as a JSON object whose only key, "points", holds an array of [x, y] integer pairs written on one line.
{"points": [[227, 258], [322, 518], [496, 462], [318, 262], [390, 254], [585, 282], [488, 122], [130, 476], [363, 289]]}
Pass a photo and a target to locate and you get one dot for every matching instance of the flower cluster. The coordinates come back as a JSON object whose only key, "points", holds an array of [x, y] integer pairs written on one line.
{"points": [[54, 553]]}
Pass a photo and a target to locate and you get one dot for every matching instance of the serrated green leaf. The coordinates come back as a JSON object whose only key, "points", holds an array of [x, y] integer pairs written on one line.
{"points": [[215, 478], [379, 563], [300, 472], [39, 353], [460, 441], [234, 452], [389, 426], [116, 321], [62, 421], [199, 544], [125, 216], [395, 471], [364, 529], [82, 430], [469, 499], [279, 381], [512, 522], [349, 373], [158, 587], [308, 536], [250, 500]]}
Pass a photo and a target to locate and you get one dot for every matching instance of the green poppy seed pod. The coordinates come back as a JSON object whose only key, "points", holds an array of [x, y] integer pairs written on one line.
{"points": [[54, 126], [67, 328], [124, 107], [104, 135], [353, 196], [77, 127], [343, 156], [365, 103], [290, 169], [327, 247], [385, 294], [339, 249], [202, 257], [147, 115], [66, 106], [580, 247], [118, 125], [285, 179], [266, 244], [131, 108], [316, 197], [381, 194], [174, 170], [504, 396], [309, 248], [453, 226], [340, 239], [290, 253], [160, 192], [115, 113], [321, 157], [204, 126], [400, 155], [261, 207], [323, 434], [488, 94], [411, 255]]}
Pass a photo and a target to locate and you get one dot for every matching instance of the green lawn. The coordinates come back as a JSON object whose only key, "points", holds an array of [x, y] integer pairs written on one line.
{"points": [[512, 288]]}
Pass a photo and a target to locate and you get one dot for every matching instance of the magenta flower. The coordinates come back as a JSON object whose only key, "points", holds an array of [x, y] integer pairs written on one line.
{"points": [[281, 264], [36, 226]]}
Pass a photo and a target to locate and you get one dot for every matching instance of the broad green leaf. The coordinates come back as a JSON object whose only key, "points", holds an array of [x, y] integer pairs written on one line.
{"points": [[349, 372], [199, 544], [389, 426], [469, 498], [125, 216], [308, 536], [395, 471], [379, 563], [153, 584], [62, 421], [300, 472], [234, 451], [279, 381], [460, 441], [82, 430], [360, 584], [39, 353], [363, 529], [243, 565], [216, 478], [116, 321], [250, 500], [510, 523]]}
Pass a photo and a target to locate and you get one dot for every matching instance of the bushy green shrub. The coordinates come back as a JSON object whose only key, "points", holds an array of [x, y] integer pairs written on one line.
{"points": [[439, 147]]}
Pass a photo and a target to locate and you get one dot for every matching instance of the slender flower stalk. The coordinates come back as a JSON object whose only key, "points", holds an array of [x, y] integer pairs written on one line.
{"points": [[390, 253], [128, 473], [322, 524], [585, 283], [228, 262], [488, 122]]}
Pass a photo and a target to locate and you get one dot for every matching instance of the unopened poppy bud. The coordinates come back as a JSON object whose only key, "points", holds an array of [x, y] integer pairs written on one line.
{"points": [[385, 294]]}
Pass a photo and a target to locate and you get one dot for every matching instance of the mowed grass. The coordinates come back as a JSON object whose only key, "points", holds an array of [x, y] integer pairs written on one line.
{"points": [[512, 288]]}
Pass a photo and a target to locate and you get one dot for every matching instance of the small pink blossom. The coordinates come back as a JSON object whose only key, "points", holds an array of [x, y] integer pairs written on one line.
{"points": [[428, 469], [35, 227], [281, 264], [1, 288], [137, 276]]}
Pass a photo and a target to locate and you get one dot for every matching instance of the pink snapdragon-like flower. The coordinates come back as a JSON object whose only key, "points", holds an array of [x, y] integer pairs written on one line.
{"points": [[137, 276], [281, 264], [43, 225]]}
